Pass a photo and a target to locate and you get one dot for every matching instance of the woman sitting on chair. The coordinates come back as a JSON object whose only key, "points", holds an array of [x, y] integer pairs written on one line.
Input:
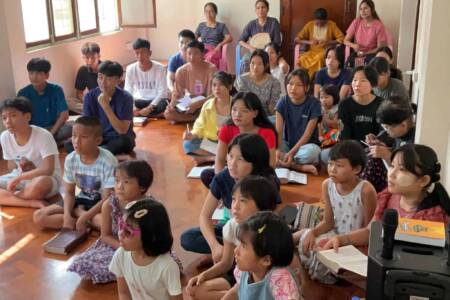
{"points": [[213, 34], [367, 33], [318, 34], [263, 24]]}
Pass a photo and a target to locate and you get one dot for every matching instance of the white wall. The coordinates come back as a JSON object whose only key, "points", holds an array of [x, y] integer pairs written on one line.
{"points": [[64, 57], [7, 82], [234, 13]]}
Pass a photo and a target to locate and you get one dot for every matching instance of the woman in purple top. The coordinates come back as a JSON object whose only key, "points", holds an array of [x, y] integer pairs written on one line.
{"points": [[262, 24], [366, 34], [213, 34]]}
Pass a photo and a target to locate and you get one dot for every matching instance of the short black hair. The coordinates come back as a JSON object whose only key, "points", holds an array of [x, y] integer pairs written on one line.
{"points": [[213, 6], [339, 52], [141, 43], [139, 169], [381, 65], [274, 46], [266, 3], [333, 91], [224, 78], [387, 50], [196, 44], [303, 75], [262, 190], [264, 57], [269, 235], [370, 73], [90, 48], [39, 64], [21, 104], [321, 14], [394, 110], [110, 68], [92, 122], [351, 150], [153, 221], [187, 34]]}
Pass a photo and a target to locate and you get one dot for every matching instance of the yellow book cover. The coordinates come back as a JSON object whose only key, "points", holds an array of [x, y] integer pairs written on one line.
{"points": [[421, 232]]}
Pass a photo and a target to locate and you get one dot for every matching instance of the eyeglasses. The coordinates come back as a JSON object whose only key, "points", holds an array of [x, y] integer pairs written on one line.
{"points": [[127, 230]]}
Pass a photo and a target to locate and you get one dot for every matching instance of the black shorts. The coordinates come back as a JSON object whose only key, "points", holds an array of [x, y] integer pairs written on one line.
{"points": [[88, 203], [229, 276]]}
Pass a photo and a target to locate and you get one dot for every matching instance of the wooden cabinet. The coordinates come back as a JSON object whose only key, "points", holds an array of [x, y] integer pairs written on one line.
{"points": [[296, 13]]}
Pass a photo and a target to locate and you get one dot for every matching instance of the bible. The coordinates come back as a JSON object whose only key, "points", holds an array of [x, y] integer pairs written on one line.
{"points": [[65, 241]]}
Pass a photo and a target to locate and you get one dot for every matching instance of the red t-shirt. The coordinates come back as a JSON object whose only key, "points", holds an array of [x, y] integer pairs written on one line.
{"points": [[388, 200], [228, 132]]}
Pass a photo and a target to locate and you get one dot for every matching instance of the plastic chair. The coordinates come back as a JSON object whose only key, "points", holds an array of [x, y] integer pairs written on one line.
{"points": [[239, 50]]}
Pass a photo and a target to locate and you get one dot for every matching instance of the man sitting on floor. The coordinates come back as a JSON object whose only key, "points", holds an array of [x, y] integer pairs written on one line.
{"points": [[47, 99], [113, 107], [146, 81]]}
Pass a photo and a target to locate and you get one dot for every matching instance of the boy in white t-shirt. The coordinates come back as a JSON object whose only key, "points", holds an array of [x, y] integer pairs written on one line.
{"points": [[146, 81], [90, 169], [32, 156]]}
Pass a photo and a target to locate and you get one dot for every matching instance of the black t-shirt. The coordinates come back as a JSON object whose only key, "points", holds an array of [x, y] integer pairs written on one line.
{"points": [[356, 120], [86, 79]]}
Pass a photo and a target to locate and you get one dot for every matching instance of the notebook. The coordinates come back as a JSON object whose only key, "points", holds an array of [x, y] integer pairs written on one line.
{"points": [[65, 241], [288, 176], [209, 146], [140, 121], [421, 232], [196, 171], [184, 102], [347, 258]]}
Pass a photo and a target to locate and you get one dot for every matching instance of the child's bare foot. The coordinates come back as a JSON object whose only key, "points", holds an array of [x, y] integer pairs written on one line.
{"points": [[306, 169], [37, 203]]}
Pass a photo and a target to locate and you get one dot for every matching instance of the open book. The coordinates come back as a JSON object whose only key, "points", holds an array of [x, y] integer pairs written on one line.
{"points": [[184, 102], [421, 232], [196, 171], [288, 176], [209, 146], [140, 121], [347, 258], [65, 241]]}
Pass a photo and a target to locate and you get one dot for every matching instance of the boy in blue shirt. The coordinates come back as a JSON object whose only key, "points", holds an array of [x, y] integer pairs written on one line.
{"points": [[185, 36], [47, 99]]}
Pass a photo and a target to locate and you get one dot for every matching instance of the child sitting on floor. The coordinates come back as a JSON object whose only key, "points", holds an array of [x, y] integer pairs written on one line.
{"points": [[262, 257], [297, 115], [133, 178], [91, 169], [329, 125], [252, 194], [142, 265], [32, 158], [349, 205]]}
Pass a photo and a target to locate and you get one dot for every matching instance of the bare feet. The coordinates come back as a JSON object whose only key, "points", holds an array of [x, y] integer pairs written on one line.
{"points": [[305, 168]]}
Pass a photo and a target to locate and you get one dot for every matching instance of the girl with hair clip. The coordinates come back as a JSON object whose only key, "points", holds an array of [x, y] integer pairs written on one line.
{"points": [[413, 190], [279, 68], [260, 82], [247, 155], [296, 121], [396, 117], [250, 195], [262, 257], [132, 180], [213, 115], [143, 265]]}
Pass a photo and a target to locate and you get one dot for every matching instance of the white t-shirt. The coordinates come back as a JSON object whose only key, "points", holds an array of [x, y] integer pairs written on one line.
{"points": [[229, 232], [40, 145], [149, 85], [157, 280]]}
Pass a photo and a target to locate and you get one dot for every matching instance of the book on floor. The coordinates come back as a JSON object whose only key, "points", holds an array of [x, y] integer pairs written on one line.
{"points": [[73, 118], [289, 176], [196, 171], [421, 232], [184, 102], [65, 241], [347, 258], [140, 121], [209, 146]]}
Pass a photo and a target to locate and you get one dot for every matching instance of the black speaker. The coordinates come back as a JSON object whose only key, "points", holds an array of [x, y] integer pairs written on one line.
{"points": [[415, 271]]}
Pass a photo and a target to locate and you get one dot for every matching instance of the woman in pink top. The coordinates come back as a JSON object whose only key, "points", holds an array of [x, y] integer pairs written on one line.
{"points": [[247, 116], [366, 34], [413, 190]]}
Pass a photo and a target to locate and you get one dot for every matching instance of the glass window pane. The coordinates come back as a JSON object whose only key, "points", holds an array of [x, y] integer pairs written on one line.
{"points": [[108, 16], [35, 21], [86, 15], [62, 17]]}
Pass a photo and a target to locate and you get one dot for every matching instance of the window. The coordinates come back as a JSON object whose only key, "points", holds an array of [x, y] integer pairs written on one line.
{"points": [[49, 21]]}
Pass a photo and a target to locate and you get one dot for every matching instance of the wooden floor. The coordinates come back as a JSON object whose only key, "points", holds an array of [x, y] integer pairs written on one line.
{"points": [[26, 272]]}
